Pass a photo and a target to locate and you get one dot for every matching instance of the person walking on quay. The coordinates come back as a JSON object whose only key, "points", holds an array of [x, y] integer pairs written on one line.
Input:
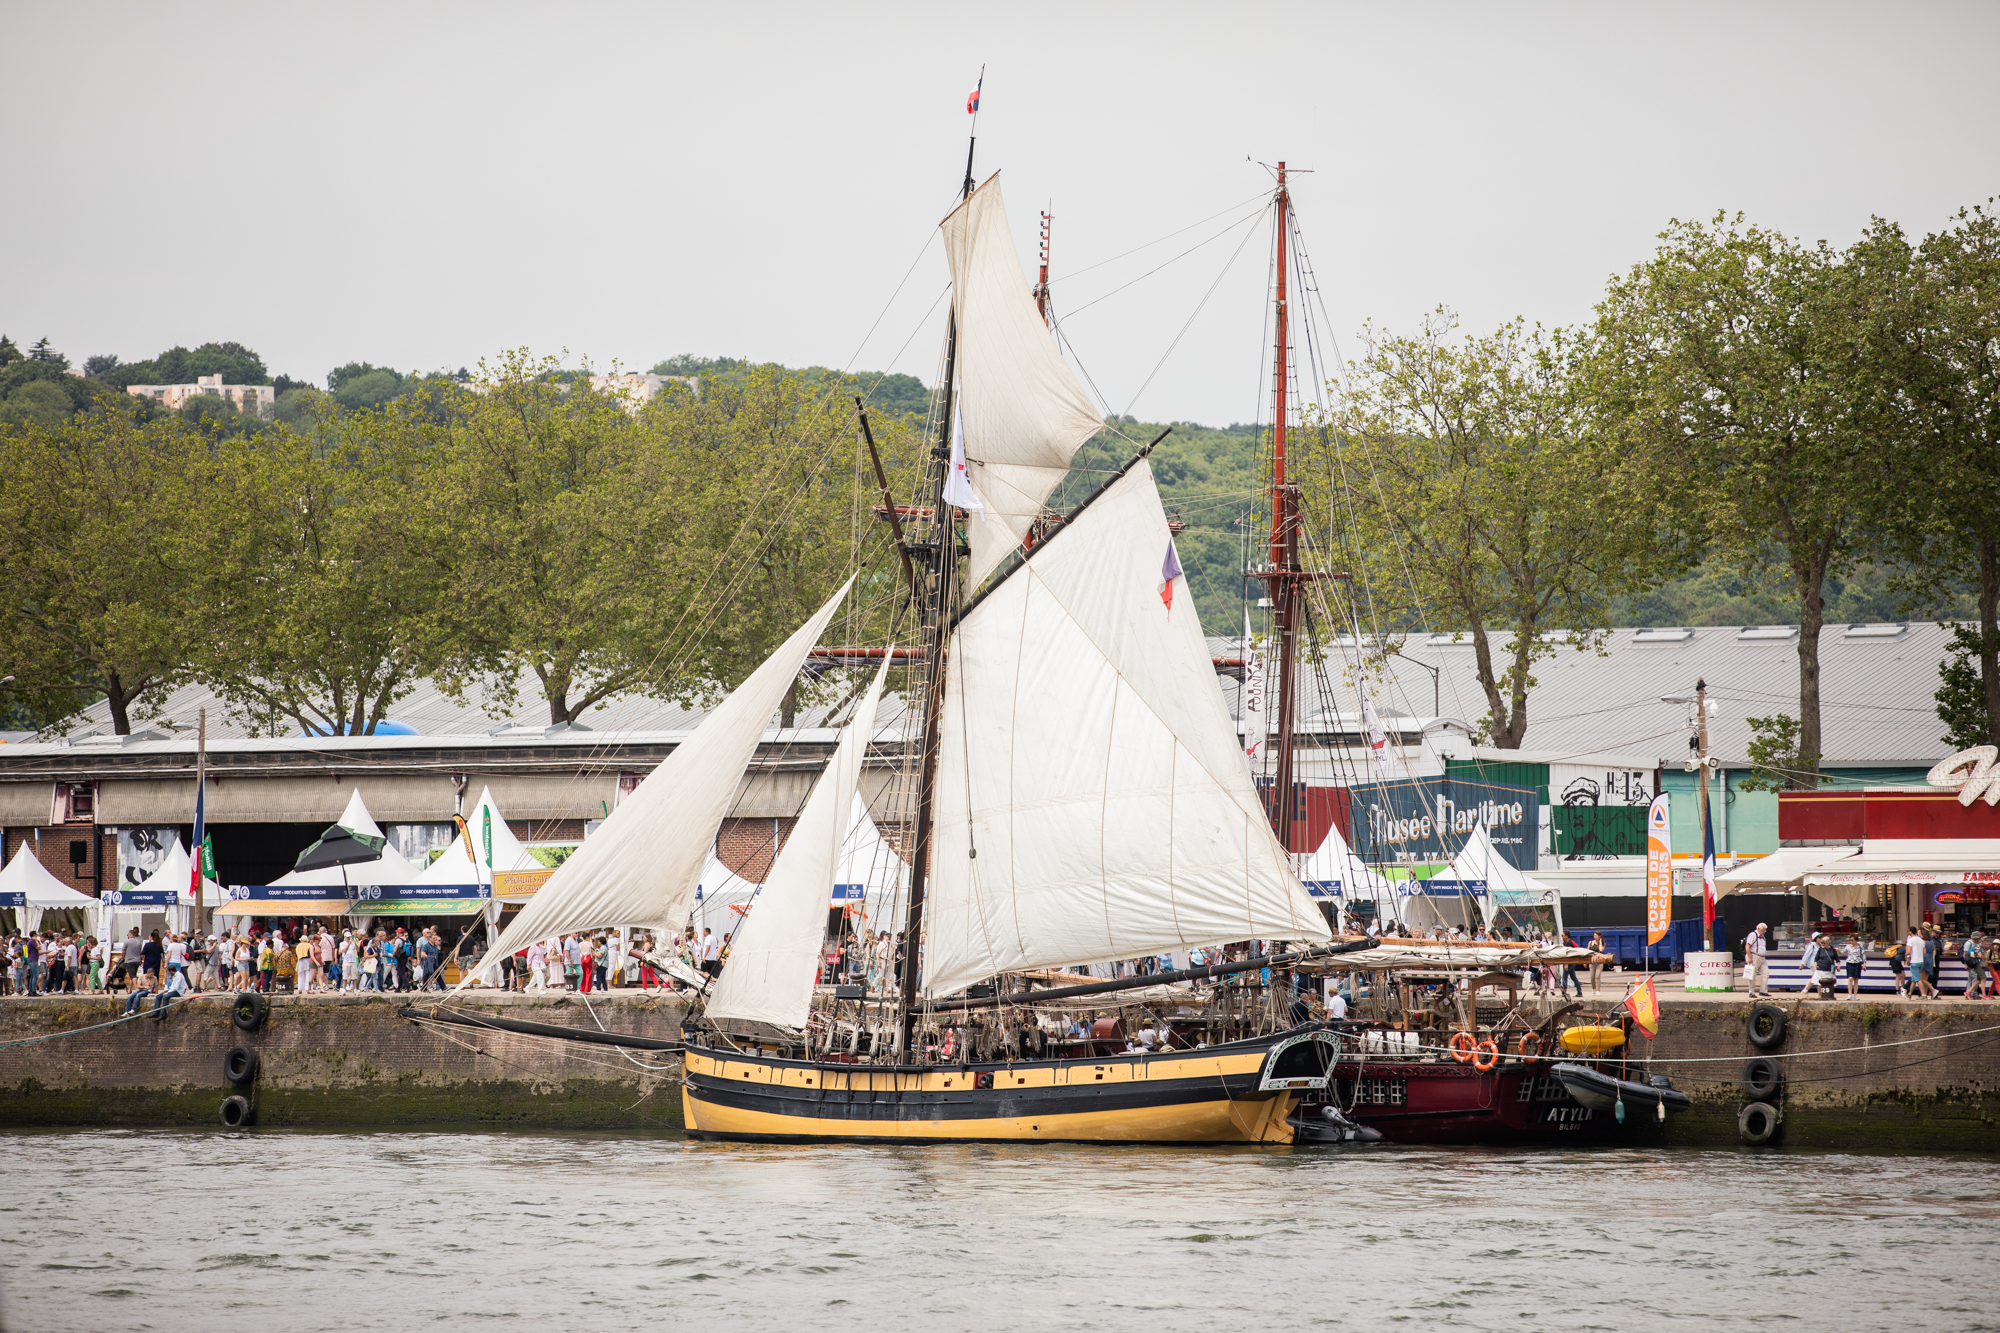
{"points": [[431, 956], [586, 965], [1973, 954], [709, 954], [1811, 964], [1596, 959], [150, 955], [1759, 960], [1914, 950], [1854, 956]]}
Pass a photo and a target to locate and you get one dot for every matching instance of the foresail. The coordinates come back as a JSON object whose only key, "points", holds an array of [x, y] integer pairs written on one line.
{"points": [[641, 865], [769, 976], [1023, 412], [1093, 803]]}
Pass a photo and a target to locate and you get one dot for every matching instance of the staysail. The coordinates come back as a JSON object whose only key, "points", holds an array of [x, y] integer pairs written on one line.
{"points": [[1022, 410], [641, 865], [769, 978], [1092, 802]]}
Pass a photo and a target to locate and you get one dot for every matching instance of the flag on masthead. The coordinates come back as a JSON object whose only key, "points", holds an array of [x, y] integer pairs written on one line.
{"points": [[958, 490], [972, 103], [1169, 571]]}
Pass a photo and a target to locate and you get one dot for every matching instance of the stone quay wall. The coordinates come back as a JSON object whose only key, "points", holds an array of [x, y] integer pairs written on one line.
{"points": [[347, 1062], [1868, 1091], [354, 1062]]}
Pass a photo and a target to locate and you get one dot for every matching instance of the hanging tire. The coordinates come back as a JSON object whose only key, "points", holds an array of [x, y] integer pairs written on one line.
{"points": [[240, 1065], [236, 1112], [1765, 1026], [1757, 1123], [1762, 1078], [249, 1010]]}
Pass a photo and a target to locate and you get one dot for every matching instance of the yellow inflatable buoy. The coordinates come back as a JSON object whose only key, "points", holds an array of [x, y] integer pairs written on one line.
{"points": [[1592, 1041]]}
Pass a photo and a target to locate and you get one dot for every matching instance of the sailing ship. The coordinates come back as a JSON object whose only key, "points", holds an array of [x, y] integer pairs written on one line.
{"points": [[1081, 797]]}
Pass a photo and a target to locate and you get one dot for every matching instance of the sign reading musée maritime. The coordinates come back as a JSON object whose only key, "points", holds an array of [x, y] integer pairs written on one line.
{"points": [[1427, 820]]}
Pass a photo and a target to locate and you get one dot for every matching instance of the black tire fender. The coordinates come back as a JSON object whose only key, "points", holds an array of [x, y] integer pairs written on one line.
{"points": [[249, 1009], [1765, 1027], [237, 1112], [1757, 1123], [240, 1065], [1762, 1078]]}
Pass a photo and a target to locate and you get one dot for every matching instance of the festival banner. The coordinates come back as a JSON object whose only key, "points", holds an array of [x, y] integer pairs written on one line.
{"points": [[1659, 871]]}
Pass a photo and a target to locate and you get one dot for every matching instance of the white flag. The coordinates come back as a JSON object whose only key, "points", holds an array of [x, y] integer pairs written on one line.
{"points": [[958, 490], [1252, 726], [1378, 739]]}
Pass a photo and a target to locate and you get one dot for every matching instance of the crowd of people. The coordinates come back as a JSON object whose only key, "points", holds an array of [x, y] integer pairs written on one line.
{"points": [[1827, 960], [310, 960]]}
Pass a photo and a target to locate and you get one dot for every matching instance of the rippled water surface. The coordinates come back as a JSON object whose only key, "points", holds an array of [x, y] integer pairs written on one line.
{"points": [[295, 1232]]}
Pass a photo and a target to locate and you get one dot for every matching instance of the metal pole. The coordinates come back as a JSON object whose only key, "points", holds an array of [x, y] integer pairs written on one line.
{"points": [[1701, 739]]}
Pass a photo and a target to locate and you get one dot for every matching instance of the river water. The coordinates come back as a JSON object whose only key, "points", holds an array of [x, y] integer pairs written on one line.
{"points": [[294, 1232]]}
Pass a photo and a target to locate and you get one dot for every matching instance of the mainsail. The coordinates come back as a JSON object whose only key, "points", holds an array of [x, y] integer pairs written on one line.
{"points": [[1092, 801], [1022, 410], [769, 978], [641, 865]]}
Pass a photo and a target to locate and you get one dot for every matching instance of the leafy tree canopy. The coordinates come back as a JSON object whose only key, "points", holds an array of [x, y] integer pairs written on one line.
{"points": [[233, 361]]}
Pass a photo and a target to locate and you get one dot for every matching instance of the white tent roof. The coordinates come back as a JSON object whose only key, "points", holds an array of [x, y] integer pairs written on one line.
{"points": [[721, 890], [1334, 862], [393, 868], [173, 873], [1506, 884], [26, 874], [867, 859], [508, 853]]}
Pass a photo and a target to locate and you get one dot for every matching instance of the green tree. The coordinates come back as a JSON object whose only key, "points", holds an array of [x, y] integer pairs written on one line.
{"points": [[1961, 691], [1729, 366], [1477, 498], [1950, 349], [211, 414], [331, 602], [39, 403], [358, 386], [1777, 760], [100, 598]]}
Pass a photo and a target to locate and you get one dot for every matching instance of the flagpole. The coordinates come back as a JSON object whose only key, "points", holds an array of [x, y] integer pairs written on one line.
{"points": [[200, 821], [1707, 828]]}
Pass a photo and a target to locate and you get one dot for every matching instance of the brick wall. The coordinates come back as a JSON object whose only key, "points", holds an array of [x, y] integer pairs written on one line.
{"points": [[53, 851]]}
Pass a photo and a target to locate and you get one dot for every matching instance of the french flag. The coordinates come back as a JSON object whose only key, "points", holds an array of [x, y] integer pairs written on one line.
{"points": [[1169, 571]]}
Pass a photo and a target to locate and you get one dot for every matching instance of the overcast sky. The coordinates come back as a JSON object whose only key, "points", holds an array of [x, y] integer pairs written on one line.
{"points": [[423, 185]]}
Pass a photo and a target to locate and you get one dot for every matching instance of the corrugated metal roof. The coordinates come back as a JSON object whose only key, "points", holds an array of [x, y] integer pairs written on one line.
{"points": [[1876, 688], [1876, 706]]}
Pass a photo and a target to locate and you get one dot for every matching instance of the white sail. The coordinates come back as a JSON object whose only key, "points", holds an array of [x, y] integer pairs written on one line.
{"points": [[1092, 801], [1023, 412], [641, 866], [769, 976]]}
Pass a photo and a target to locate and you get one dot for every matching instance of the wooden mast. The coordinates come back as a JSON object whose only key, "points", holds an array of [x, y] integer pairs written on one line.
{"points": [[1282, 574], [939, 592]]}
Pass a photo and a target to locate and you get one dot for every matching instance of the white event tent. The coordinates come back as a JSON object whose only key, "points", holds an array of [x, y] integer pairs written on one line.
{"points": [[866, 859], [455, 867], [40, 891], [1507, 886], [392, 868], [720, 893], [1332, 870]]}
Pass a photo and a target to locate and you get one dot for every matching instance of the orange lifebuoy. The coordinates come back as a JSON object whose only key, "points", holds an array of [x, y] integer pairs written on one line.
{"points": [[1461, 1045], [1487, 1055], [1529, 1046]]}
